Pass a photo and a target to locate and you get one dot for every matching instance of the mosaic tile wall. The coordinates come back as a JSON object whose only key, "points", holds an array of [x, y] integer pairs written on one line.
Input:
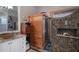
{"points": [[65, 44]]}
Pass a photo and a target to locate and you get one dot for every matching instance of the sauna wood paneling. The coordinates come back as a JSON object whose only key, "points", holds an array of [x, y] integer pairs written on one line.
{"points": [[37, 38]]}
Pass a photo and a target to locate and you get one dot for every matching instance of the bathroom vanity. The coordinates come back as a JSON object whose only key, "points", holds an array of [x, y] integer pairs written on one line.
{"points": [[15, 44]]}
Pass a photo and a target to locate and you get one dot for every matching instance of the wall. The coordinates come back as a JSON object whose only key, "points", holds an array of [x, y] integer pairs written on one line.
{"points": [[27, 11], [30, 10]]}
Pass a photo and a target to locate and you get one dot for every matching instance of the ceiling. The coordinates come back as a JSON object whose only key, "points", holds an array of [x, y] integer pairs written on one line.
{"points": [[54, 8]]}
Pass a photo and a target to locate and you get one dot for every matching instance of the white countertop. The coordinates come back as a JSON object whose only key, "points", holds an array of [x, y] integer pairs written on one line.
{"points": [[13, 38]]}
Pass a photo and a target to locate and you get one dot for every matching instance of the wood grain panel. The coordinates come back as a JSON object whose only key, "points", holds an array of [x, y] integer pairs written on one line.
{"points": [[37, 31], [23, 28]]}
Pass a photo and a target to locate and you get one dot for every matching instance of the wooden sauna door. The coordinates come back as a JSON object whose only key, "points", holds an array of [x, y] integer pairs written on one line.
{"points": [[37, 31]]}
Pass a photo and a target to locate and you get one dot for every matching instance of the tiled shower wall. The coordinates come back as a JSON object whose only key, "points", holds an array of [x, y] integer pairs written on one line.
{"points": [[64, 44]]}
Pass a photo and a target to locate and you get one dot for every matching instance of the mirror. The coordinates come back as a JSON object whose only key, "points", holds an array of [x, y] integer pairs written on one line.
{"points": [[12, 19], [8, 18]]}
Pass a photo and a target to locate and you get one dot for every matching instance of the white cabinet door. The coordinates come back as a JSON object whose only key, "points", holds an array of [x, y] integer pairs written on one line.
{"points": [[5, 47], [18, 45], [14, 46], [24, 43]]}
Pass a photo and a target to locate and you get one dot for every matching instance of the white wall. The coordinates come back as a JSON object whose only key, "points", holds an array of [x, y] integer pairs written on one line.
{"points": [[27, 11]]}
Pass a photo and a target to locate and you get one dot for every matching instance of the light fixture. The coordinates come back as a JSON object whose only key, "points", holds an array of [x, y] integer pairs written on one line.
{"points": [[59, 15]]}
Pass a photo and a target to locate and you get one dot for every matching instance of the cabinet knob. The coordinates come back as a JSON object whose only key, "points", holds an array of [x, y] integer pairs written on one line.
{"points": [[9, 43]]}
